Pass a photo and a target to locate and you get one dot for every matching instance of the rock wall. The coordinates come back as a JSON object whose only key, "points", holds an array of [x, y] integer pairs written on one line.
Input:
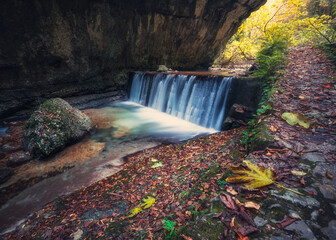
{"points": [[62, 48]]}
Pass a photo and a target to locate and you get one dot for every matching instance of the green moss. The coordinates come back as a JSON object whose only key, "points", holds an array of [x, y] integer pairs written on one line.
{"points": [[217, 207], [53, 125], [205, 227], [212, 172], [261, 139]]}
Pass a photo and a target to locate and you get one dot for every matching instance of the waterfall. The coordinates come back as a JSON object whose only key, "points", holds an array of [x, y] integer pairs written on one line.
{"points": [[193, 98]]}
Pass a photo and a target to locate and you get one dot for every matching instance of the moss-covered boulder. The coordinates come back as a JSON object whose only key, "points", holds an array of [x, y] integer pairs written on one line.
{"points": [[261, 139], [54, 125]]}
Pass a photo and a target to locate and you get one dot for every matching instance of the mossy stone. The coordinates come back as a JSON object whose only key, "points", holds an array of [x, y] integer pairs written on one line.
{"points": [[261, 139], [54, 125]]}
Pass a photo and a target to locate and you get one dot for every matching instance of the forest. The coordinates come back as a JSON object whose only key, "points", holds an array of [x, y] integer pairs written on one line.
{"points": [[124, 120]]}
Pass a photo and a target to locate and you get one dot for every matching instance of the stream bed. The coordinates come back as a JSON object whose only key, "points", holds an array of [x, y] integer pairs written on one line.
{"points": [[124, 128]]}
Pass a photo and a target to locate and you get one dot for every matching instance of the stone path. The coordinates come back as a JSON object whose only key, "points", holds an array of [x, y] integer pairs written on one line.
{"points": [[308, 87]]}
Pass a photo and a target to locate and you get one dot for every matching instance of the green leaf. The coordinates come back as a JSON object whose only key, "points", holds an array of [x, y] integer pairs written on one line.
{"points": [[296, 118]]}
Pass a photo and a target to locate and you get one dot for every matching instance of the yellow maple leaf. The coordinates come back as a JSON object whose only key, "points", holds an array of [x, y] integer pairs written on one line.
{"points": [[254, 176], [134, 212], [148, 202]]}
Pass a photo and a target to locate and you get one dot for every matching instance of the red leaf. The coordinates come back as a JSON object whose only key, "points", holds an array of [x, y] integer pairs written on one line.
{"points": [[286, 221], [227, 200]]}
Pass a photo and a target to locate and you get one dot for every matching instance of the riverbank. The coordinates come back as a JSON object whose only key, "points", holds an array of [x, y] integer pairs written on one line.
{"points": [[188, 184]]}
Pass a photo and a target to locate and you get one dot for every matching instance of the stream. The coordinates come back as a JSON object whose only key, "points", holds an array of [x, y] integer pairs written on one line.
{"points": [[135, 128]]}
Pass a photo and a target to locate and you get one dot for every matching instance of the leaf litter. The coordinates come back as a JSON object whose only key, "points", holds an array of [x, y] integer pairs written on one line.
{"points": [[192, 175]]}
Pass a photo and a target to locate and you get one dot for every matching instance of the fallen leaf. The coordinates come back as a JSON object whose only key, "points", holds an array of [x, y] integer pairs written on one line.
{"points": [[329, 175], [154, 160], [232, 223], [273, 128], [227, 200], [298, 173], [251, 205], [148, 202], [255, 176], [134, 212], [296, 118], [231, 191], [186, 238], [246, 230], [156, 165], [286, 221]]}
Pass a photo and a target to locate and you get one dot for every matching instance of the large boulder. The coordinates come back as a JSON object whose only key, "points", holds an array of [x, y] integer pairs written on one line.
{"points": [[54, 125]]}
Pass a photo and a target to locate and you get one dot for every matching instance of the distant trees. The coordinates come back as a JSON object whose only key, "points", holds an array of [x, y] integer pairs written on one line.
{"points": [[299, 22]]}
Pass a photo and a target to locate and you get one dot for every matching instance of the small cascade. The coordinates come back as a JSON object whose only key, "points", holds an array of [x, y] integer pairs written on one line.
{"points": [[196, 99]]}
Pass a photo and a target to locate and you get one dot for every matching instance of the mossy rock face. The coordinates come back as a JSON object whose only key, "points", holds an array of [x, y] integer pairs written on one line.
{"points": [[54, 125], [261, 139]]}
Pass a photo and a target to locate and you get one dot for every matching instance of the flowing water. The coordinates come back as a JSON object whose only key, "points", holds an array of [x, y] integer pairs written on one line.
{"points": [[135, 128], [188, 107], [193, 98]]}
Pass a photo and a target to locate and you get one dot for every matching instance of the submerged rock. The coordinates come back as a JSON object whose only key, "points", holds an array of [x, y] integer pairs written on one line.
{"points": [[54, 125]]}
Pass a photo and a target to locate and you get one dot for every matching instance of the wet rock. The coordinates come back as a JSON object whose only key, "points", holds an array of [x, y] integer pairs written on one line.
{"points": [[5, 174], [260, 222], [328, 191], [313, 157], [261, 139], [330, 231], [54, 125], [231, 123], [301, 228], [18, 158], [296, 199]]}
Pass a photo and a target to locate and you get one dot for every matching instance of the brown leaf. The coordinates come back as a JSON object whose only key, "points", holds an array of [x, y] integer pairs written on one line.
{"points": [[232, 223], [228, 202], [186, 238], [246, 230], [302, 181], [246, 217], [251, 205], [329, 175], [231, 191], [286, 221]]}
